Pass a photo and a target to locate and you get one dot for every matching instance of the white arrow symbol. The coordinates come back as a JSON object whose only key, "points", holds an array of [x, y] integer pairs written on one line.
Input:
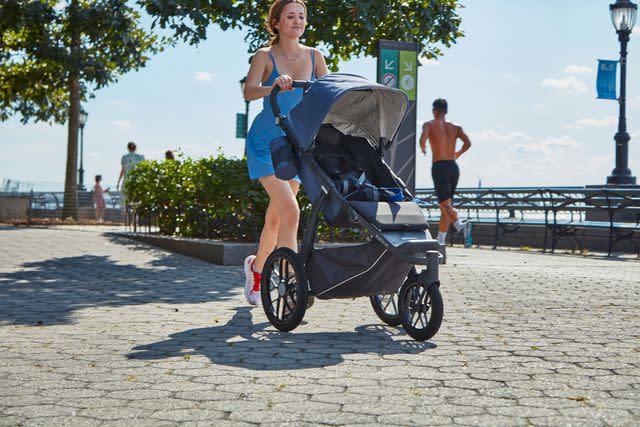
{"points": [[408, 66], [388, 64]]}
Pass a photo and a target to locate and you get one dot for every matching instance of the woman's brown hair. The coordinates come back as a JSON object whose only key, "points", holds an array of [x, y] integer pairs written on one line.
{"points": [[274, 17]]}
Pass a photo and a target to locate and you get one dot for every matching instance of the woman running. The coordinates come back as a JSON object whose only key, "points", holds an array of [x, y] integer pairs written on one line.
{"points": [[283, 61]]}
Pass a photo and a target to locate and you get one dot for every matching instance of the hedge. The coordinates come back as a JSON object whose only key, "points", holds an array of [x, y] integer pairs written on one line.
{"points": [[211, 198]]}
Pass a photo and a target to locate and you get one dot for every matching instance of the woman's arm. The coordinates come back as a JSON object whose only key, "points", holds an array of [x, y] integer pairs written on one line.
{"points": [[253, 88], [321, 65]]}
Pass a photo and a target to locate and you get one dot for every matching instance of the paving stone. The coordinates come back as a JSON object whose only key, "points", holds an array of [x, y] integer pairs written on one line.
{"points": [[99, 330]]}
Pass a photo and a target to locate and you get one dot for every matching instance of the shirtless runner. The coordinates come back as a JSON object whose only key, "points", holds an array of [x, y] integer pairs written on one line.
{"points": [[442, 136]]}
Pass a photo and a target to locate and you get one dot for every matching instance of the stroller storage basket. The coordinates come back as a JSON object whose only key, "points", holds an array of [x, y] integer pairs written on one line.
{"points": [[355, 271]]}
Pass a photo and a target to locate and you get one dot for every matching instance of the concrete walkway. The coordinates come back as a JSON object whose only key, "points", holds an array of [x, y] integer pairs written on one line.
{"points": [[100, 330]]}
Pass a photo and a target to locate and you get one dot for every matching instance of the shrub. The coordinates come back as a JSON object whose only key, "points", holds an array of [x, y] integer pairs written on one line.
{"points": [[212, 198]]}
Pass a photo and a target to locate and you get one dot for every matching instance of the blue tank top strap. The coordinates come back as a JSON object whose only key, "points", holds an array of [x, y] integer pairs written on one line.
{"points": [[313, 64], [273, 61], [274, 72]]}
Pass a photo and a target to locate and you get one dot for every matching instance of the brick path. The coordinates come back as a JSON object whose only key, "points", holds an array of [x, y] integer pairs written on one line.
{"points": [[99, 330]]}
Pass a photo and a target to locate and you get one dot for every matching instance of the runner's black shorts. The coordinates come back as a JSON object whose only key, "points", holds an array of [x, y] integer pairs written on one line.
{"points": [[445, 174]]}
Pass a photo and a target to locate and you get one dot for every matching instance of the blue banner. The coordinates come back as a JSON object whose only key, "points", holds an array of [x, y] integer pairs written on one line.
{"points": [[606, 83]]}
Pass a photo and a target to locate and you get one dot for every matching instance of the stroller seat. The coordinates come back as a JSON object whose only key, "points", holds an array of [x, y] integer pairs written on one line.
{"points": [[405, 216]]}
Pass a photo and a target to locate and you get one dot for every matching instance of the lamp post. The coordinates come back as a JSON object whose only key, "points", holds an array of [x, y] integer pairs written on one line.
{"points": [[623, 17], [83, 120], [246, 113]]}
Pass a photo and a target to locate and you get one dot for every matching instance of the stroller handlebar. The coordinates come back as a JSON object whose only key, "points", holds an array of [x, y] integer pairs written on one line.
{"points": [[274, 101]]}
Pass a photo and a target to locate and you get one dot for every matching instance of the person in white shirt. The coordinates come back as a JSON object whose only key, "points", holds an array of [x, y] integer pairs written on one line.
{"points": [[128, 162]]}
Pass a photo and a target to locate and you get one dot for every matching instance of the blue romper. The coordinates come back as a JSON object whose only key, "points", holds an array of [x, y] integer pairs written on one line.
{"points": [[264, 130]]}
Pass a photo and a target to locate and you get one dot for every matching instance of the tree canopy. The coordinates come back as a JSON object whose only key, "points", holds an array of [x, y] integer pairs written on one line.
{"points": [[346, 29], [55, 53], [43, 43]]}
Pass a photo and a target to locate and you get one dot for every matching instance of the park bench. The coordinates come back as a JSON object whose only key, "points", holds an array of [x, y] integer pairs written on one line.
{"points": [[561, 211]]}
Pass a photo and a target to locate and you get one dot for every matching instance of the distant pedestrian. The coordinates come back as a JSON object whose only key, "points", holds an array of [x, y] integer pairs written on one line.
{"points": [[98, 199], [442, 136], [168, 155], [128, 162]]}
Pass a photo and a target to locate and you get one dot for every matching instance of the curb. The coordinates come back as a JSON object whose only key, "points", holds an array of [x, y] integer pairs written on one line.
{"points": [[213, 251]]}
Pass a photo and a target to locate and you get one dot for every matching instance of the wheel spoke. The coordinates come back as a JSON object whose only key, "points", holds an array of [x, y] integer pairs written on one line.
{"points": [[274, 280], [278, 306], [389, 301], [395, 305], [424, 325], [422, 294], [286, 271]]}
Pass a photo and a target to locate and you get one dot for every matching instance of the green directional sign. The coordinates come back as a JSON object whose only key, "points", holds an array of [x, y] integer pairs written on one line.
{"points": [[407, 77], [241, 119], [388, 68], [398, 68]]}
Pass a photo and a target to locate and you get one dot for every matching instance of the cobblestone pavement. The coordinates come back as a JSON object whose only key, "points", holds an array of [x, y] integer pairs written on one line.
{"points": [[99, 330]]}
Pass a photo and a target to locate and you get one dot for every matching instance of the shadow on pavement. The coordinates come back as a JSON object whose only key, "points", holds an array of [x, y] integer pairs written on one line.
{"points": [[241, 343], [48, 292]]}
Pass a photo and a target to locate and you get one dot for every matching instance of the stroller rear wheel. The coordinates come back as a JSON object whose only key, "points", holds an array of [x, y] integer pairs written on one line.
{"points": [[421, 309], [386, 308], [284, 289]]}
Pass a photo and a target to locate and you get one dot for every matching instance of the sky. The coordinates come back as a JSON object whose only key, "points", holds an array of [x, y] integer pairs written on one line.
{"points": [[521, 83]]}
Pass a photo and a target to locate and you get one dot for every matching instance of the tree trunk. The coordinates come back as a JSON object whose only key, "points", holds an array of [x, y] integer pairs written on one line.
{"points": [[70, 207]]}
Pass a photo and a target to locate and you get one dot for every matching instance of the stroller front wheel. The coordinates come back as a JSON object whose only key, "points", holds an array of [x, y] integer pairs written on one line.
{"points": [[421, 309], [284, 289]]}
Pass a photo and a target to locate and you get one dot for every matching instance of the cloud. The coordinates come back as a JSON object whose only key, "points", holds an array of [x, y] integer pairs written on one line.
{"points": [[570, 84], [122, 124], [576, 69], [547, 146], [204, 76], [593, 122], [494, 136], [429, 62]]}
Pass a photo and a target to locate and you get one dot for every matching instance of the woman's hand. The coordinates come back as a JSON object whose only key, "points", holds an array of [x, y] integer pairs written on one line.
{"points": [[285, 82]]}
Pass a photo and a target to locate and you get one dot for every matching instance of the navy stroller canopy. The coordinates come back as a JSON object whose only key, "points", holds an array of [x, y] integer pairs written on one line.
{"points": [[353, 105]]}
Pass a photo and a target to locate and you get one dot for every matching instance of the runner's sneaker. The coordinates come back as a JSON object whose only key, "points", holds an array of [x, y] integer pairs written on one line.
{"points": [[251, 281]]}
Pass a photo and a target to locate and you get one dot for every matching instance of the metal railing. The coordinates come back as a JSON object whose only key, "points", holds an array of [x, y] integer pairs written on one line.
{"points": [[562, 210]]}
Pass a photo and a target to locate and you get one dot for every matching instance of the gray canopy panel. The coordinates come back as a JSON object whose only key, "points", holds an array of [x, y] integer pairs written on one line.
{"points": [[352, 104]]}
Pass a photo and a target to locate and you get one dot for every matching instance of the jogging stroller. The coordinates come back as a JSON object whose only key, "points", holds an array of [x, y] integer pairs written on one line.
{"points": [[335, 141]]}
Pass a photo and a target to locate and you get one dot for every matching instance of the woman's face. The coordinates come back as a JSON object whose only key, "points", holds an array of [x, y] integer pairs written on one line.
{"points": [[292, 21]]}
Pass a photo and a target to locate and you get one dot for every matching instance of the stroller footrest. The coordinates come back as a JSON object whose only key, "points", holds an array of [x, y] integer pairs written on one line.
{"points": [[392, 215]]}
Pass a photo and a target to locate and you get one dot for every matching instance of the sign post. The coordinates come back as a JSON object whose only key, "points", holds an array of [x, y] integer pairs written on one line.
{"points": [[398, 68]]}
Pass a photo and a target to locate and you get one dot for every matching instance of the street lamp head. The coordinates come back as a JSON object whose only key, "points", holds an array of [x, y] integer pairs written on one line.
{"points": [[623, 15], [83, 117]]}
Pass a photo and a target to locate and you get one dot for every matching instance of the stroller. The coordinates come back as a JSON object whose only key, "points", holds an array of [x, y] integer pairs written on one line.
{"points": [[335, 141]]}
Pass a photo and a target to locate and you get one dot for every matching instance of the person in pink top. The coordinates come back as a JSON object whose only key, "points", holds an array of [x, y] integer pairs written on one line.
{"points": [[98, 199]]}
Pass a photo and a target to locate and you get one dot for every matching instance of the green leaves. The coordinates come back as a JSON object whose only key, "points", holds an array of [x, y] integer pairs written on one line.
{"points": [[38, 54], [344, 29]]}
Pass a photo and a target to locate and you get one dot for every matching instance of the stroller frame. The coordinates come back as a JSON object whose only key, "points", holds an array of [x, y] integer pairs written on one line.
{"points": [[412, 247]]}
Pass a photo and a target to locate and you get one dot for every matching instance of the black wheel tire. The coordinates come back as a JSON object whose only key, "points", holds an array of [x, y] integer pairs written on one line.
{"points": [[386, 308], [280, 288], [421, 309]]}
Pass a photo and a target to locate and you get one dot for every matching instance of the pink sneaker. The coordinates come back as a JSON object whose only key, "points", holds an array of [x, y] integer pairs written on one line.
{"points": [[251, 282]]}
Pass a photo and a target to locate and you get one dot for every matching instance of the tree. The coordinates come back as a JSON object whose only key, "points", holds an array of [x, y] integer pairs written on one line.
{"points": [[346, 29], [55, 54]]}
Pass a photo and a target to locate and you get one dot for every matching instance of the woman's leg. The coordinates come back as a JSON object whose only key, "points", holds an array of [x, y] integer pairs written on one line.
{"points": [[281, 220]]}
